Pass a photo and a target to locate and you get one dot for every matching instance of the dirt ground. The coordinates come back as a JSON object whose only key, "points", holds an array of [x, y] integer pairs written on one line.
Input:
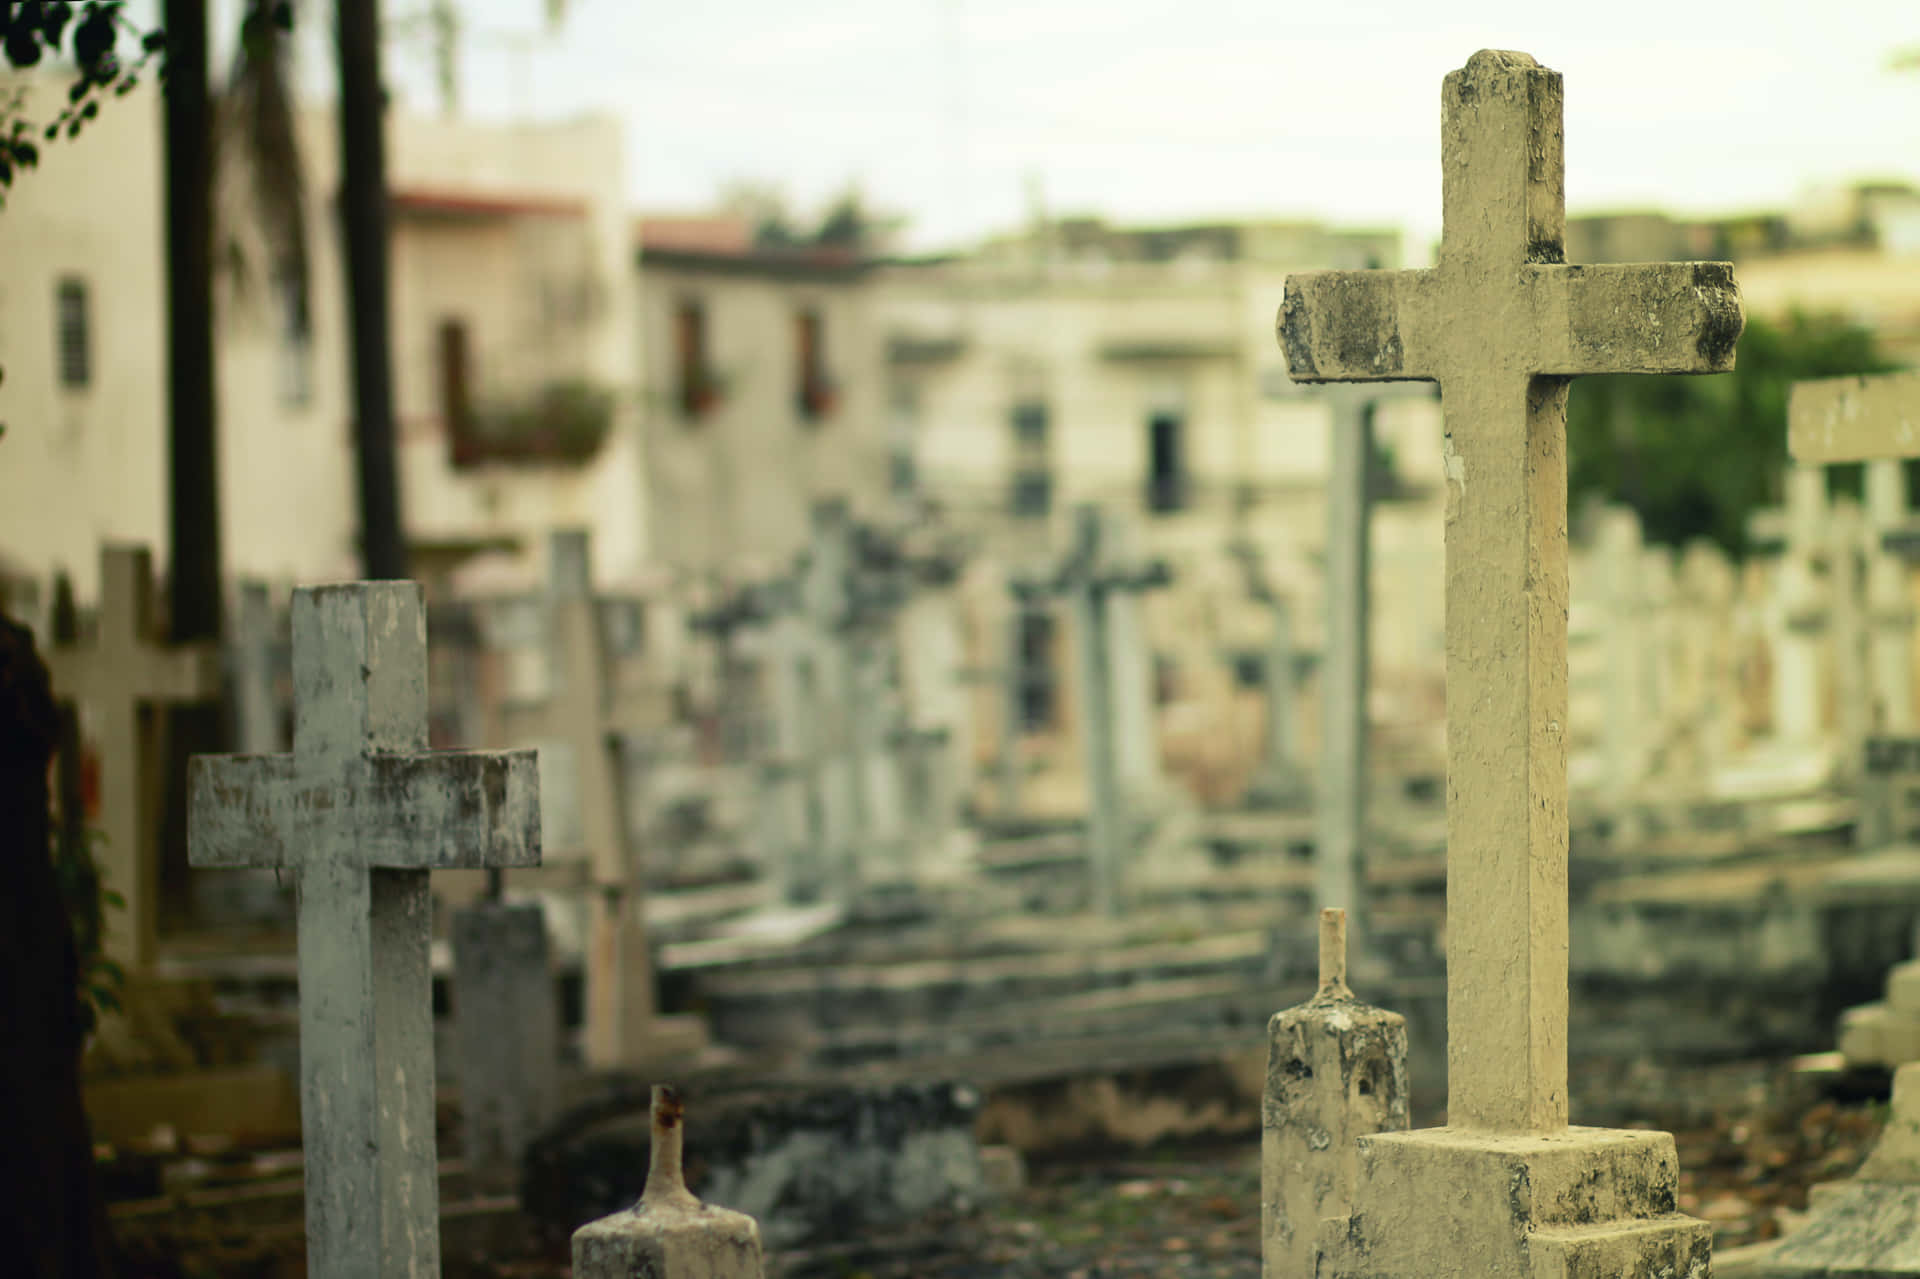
{"points": [[1752, 1137]]}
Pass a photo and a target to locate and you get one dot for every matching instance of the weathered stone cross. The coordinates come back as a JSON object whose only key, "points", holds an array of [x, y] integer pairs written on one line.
{"points": [[116, 677], [1502, 324], [584, 711], [361, 811]]}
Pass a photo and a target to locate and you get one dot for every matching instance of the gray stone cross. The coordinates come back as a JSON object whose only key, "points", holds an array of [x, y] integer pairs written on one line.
{"points": [[120, 674], [361, 811], [1502, 324]]}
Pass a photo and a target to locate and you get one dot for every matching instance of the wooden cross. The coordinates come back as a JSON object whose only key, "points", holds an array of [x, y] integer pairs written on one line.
{"points": [[1502, 324], [361, 812], [1873, 419], [122, 674], [586, 713]]}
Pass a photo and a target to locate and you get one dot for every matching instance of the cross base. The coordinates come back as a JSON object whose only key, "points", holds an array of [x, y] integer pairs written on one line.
{"points": [[1575, 1203]]}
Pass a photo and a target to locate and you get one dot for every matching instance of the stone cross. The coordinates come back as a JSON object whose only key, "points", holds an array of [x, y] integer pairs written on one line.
{"points": [[117, 678], [1502, 324], [586, 714], [360, 812], [1092, 576]]}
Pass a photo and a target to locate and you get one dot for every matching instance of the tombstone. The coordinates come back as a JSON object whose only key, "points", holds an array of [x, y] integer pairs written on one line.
{"points": [[1800, 618], [1346, 669], [1845, 537], [1890, 611], [119, 681], [254, 663], [1622, 563], [669, 1234], [507, 1022], [1094, 575], [360, 813], [585, 712], [1860, 419], [837, 654], [1336, 1072], [1136, 741], [1501, 324]]}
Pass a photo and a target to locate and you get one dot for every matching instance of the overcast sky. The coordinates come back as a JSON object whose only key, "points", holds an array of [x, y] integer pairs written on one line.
{"points": [[952, 111]]}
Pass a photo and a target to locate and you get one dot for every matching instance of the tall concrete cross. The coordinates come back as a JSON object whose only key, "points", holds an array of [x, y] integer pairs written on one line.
{"points": [[117, 678], [1502, 325], [361, 811], [1873, 419], [586, 713]]}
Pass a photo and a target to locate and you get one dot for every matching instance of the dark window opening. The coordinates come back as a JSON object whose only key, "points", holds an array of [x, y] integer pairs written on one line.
{"points": [[74, 333], [1032, 496], [1847, 480], [1166, 463], [815, 398], [295, 318], [456, 390], [1250, 670], [698, 391], [1037, 691]]}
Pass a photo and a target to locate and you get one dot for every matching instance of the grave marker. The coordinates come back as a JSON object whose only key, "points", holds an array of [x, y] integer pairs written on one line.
{"points": [[1093, 574], [1871, 419], [586, 714], [360, 812], [117, 680], [1503, 325]]}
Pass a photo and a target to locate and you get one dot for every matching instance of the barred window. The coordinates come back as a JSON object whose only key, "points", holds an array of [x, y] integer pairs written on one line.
{"points": [[73, 325]]}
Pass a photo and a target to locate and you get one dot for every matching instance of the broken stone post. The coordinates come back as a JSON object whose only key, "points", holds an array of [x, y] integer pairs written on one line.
{"points": [[1502, 324], [118, 681], [1336, 1072], [669, 1234], [507, 1018], [360, 812]]}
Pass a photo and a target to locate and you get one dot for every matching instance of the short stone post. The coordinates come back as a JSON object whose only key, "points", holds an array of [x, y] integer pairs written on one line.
{"points": [[361, 811], [117, 680], [1336, 1071], [669, 1234]]}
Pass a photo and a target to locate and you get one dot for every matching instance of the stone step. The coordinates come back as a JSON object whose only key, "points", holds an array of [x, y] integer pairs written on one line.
{"points": [[1664, 1247]]}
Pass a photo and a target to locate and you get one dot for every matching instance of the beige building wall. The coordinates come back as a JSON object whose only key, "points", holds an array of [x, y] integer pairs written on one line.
{"points": [[732, 486], [519, 231]]}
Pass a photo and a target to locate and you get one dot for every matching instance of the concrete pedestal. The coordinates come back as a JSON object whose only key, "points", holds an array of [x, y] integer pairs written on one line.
{"points": [[1442, 1203]]}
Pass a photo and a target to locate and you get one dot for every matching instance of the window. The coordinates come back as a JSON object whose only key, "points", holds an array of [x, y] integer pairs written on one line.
{"points": [[456, 390], [1032, 470], [697, 392], [814, 398], [902, 465], [1036, 685], [1166, 463], [74, 333], [295, 322]]}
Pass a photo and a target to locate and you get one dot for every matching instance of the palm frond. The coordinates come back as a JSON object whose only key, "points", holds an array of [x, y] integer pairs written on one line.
{"points": [[258, 129]]}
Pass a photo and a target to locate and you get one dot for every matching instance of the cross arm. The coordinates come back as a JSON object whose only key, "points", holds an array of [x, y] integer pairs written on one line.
{"points": [[1357, 326], [433, 811], [1644, 317], [1855, 419]]}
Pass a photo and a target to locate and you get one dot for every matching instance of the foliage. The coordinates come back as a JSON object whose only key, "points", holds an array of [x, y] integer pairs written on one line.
{"points": [[1695, 456], [846, 223], [564, 421], [87, 899], [32, 31]]}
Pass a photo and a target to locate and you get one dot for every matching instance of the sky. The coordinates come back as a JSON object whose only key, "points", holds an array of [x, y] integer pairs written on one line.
{"points": [[960, 114]]}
